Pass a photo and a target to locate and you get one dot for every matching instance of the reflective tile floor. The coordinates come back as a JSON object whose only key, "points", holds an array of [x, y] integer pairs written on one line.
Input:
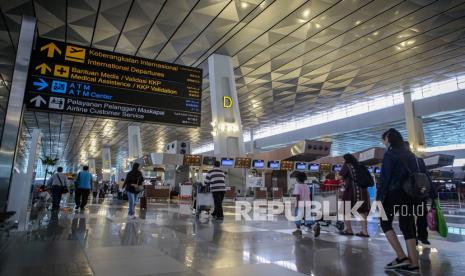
{"points": [[168, 240]]}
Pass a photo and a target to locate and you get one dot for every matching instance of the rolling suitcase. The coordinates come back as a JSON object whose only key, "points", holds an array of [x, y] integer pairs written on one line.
{"points": [[143, 203]]}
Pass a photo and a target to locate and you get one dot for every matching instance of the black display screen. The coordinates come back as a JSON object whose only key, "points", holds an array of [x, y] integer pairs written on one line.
{"points": [[72, 79], [209, 161]]}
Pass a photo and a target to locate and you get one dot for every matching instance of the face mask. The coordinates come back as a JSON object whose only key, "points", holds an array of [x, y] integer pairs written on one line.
{"points": [[388, 145]]}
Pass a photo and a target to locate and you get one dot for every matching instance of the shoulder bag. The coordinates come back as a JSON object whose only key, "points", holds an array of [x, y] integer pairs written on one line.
{"points": [[138, 188], [64, 188], [417, 185]]}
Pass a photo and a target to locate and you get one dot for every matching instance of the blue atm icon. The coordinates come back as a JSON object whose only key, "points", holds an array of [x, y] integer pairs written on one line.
{"points": [[59, 86]]}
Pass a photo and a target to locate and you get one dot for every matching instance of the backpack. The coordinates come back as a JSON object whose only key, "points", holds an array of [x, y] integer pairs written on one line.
{"points": [[417, 185], [364, 178]]}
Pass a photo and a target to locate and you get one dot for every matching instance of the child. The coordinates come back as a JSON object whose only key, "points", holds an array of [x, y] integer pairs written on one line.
{"points": [[302, 194]]}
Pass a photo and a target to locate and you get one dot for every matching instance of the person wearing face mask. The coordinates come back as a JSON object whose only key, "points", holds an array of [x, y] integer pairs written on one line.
{"points": [[133, 185], [421, 209], [397, 162]]}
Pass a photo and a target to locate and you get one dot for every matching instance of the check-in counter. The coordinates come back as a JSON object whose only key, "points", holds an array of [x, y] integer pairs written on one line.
{"points": [[230, 193], [260, 193], [277, 193], [157, 192], [185, 191]]}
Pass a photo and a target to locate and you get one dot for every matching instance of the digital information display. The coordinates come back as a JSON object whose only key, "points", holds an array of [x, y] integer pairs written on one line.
{"points": [[227, 162], [275, 165], [370, 169], [72, 79], [258, 164], [243, 162], [300, 166], [325, 167], [287, 165], [314, 167], [377, 170], [192, 160]]}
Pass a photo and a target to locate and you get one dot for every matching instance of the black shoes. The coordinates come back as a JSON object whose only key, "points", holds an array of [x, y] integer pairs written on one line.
{"points": [[425, 242], [414, 270], [398, 263]]}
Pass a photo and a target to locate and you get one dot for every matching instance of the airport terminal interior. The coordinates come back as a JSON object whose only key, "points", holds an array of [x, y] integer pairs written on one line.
{"points": [[178, 137]]}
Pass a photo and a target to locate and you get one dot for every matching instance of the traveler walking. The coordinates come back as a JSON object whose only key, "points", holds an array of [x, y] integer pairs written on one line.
{"points": [[397, 163], [215, 179], [133, 185], [58, 184], [302, 194], [83, 185], [422, 207], [356, 182]]}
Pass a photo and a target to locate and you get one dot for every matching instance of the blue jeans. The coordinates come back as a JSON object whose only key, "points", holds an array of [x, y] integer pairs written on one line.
{"points": [[298, 222], [132, 203]]}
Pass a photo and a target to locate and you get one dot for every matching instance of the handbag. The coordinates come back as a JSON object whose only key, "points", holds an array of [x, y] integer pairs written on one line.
{"points": [[432, 219], [64, 188], [442, 225]]}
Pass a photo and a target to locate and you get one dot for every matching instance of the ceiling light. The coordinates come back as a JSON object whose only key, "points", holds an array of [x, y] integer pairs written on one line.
{"points": [[317, 25], [358, 22], [244, 5], [410, 42], [306, 13], [376, 33]]}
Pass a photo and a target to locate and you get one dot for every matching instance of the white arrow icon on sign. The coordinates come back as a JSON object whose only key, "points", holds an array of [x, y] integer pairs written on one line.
{"points": [[38, 101]]}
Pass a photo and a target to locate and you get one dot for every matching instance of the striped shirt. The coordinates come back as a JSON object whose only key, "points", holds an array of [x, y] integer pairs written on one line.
{"points": [[215, 178]]}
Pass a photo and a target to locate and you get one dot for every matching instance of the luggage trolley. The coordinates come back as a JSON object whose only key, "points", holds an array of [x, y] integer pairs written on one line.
{"points": [[328, 194], [203, 199]]}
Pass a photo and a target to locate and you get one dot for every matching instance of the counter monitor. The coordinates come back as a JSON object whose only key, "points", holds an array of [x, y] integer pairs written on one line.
{"points": [[300, 166], [274, 165], [227, 162], [337, 168], [370, 169], [314, 167], [258, 164], [377, 170]]}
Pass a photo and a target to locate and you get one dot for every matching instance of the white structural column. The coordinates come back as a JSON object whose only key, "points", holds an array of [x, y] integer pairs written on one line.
{"points": [[92, 166], [134, 143], [252, 141], [226, 119], [14, 109], [18, 199], [414, 124], [106, 164]]}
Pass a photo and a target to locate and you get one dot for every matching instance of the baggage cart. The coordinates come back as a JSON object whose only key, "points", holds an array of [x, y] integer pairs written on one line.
{"points": [[203, 200], [328, 198]]}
